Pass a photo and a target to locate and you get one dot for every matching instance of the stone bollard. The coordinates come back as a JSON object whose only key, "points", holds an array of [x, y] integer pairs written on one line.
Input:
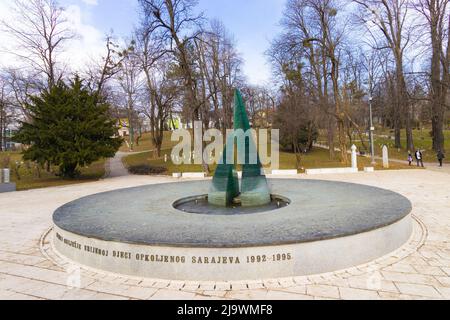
{"points": [[354, 158], [6, 176], [385, 157]]}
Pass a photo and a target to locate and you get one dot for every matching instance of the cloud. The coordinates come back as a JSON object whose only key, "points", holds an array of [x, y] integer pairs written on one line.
{"points": [[89, 43], [91, 2], [76, 54], [5, 39]]}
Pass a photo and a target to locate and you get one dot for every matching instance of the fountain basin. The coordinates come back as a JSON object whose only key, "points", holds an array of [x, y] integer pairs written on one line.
{"points": [[327, 226], [200, 205]]}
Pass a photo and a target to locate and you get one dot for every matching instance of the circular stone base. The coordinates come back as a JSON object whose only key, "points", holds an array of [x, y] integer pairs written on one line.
{"points": [[327, 226]]}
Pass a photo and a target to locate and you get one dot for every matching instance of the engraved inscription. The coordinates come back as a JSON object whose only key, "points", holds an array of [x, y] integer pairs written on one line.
{"points": [[170, 259]]}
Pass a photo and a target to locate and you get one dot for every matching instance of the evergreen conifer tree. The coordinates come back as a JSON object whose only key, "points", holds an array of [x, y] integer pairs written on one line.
{"points": [[69, 128]]}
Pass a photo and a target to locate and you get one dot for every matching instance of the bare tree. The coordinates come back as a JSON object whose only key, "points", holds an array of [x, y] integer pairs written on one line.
{"points": [[5, 112], [294, 116], [40, 29], [130, 81], [313, 36], [163, 92], [219, 68], [437, 19], [100, 72], [177, 26], [21, 86], [387, 22], [260, 105]]}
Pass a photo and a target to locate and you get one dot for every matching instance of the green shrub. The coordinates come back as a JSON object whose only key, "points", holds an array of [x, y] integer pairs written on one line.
{"points": [[146, 170]]}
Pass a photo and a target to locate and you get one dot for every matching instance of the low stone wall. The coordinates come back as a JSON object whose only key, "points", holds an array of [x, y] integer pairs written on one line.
{"points": [[284, 172], [331, 171], [194, 175], [7, 187]]}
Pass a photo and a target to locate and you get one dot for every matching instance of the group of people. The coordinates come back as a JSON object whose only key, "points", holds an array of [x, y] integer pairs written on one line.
{"points": [[419, 158]]}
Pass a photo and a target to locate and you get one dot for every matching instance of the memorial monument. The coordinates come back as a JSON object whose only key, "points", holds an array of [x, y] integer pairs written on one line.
{"points": [[225, 186], [219, 231]]}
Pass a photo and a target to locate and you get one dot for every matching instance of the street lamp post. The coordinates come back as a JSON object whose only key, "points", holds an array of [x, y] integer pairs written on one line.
{"points": [[372, 129]]}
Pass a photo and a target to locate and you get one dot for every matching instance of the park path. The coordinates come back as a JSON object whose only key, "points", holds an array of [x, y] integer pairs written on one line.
{"points": [[115, 167]]}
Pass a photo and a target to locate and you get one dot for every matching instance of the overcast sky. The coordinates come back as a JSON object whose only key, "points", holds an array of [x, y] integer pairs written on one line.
{"points": [[252, 22]]}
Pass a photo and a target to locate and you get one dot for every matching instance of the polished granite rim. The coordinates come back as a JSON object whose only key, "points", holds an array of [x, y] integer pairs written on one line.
{"points": [[319, 210]]}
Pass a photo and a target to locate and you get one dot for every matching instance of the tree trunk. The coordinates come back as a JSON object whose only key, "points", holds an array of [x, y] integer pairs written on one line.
{"points": [[2, 138], [409, 129], [68, 170], [158, 151], [331, 130], [438, 132], [397, 130], [438, 89], [403, 105], [38, 170], [339, 114], [297, 154], [342, 141]]}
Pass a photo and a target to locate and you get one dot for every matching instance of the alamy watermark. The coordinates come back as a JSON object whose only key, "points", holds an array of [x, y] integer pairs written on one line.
{"points": [[250, 145]]}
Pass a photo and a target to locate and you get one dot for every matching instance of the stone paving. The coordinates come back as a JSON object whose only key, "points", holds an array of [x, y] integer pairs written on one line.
{"points": [[115, 167], [30, 269]]}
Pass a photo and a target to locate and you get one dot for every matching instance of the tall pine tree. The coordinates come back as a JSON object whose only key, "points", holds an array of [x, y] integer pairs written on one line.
{"points": [[69, 128]]}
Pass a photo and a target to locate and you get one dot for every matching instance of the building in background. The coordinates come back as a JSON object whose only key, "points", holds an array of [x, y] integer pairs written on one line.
{"points": [[123, 127], [7, 141]]}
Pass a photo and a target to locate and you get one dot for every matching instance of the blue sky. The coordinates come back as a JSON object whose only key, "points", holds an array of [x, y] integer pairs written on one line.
{"points": [[252, 22]]}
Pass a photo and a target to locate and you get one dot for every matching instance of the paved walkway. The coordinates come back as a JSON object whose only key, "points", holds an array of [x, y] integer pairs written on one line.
{"points": [[115, 167], [29, 269]]}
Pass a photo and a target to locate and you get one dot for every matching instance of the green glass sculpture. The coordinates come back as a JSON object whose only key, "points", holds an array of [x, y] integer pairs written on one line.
{"points": [[225, 187]]}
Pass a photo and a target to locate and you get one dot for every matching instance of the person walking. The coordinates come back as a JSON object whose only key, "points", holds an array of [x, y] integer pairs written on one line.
{"points": [[419, 158], [410, 158], [441, 158]]}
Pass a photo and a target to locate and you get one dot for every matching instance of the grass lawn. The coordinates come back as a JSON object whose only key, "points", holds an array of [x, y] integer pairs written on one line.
{"points": [[29, 177], [147, 158], [318, 158], [422, 141], [146, 143]]}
